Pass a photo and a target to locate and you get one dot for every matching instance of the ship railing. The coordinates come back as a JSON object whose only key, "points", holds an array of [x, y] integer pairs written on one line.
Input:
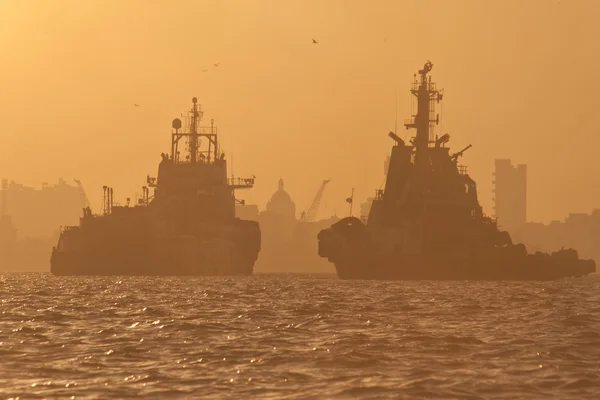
{"points": [[207, 130], [240, 183], [200, 161], [417, 84], [67, 228]]}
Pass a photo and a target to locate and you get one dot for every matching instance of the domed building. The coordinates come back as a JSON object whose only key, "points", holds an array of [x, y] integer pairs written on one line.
{"points": [[281, 203], [287, 244]]}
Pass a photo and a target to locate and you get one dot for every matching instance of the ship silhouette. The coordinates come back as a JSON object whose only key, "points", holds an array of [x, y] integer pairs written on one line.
{"points": [[186, 227], [427, 223]]}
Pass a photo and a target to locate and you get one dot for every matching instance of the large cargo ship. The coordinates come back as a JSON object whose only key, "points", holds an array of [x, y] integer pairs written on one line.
{"points": [[427, 222], [186, 227]]}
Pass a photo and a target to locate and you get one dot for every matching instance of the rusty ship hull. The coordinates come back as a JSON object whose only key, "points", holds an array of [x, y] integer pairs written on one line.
{"points": [[427, 222]]}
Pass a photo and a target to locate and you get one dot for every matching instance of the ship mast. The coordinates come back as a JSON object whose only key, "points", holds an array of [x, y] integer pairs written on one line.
{"points": [[195, 114], [194, 133], [425, 120]]}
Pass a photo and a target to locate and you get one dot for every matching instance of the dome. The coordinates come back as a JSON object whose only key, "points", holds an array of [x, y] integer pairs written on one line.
{"points": [[281, 203]]}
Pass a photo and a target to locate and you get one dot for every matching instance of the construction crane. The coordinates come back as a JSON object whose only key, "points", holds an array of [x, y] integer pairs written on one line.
{"points": [[311, 214], [84, 198]]}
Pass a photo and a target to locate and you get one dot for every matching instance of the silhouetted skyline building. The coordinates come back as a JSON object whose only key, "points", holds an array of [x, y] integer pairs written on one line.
{"points": [[40, 212], [8, 233], [287, 242], [281, 203], [20, 252], [578, 230], [510, 195]]}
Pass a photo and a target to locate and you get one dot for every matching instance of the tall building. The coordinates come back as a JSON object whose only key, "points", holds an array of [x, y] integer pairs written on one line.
{"points": [[510, 195]]}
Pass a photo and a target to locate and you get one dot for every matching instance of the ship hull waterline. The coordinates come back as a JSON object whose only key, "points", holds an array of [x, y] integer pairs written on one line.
{"points": [[355, 257], [392, 271], [81, 264]]}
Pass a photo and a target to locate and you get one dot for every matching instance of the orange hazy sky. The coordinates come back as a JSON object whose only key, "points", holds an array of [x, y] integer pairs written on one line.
{"points": [[521, 81]]}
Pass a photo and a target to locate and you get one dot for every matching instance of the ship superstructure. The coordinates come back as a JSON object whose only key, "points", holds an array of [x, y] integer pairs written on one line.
{"points": [[427, 222], [186, 227]]}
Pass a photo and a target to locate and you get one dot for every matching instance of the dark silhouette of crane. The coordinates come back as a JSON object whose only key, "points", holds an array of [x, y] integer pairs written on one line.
{"points": [[311, 214], [84, 198]]}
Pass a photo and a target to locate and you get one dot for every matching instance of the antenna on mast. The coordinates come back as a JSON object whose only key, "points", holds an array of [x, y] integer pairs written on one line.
{"points": [[350, 200], [231, 155], [396, 121]]}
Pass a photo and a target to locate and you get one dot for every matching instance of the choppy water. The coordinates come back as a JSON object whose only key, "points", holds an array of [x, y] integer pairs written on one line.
{"points": [[297, 337]]}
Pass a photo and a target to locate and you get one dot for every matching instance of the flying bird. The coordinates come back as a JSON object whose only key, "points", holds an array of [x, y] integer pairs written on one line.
{"points": [[314, 41], [136, 105], [204, 70], [217, 64]]}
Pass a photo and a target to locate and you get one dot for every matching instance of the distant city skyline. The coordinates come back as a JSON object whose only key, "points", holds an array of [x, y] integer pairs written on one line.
{"points": [[288, 107]]}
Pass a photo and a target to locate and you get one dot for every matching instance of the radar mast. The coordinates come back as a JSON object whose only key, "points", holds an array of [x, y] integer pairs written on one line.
{"points": [[196, 152], [426, 119]]}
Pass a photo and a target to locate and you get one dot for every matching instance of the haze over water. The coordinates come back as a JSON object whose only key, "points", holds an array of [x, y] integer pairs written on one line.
{"points": [[297, 337], [89, 89], [520, 79]]}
